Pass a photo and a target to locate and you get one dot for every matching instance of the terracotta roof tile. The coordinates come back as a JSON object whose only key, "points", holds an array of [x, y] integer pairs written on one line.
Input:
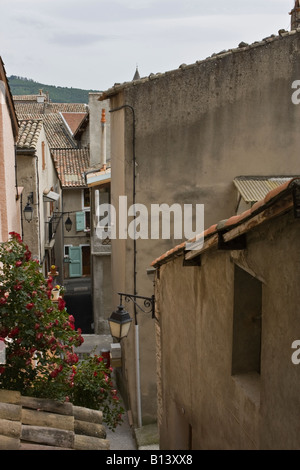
{"points": [[56, 132], [74, 120], [55, 129], [29, 133], [71, 165]]}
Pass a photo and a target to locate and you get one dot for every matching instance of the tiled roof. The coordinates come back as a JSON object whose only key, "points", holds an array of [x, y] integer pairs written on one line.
{"points": [[74, 120], [32, 107], [56, 132], [254, 188], [230, 224], [55, 129], [118, 87], [71, 165], [66, 108], [29, 132], [29, 97], [29, 107]]}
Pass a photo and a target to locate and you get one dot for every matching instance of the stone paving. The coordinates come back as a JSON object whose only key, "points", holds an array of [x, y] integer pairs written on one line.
{"points": [[125, 437]]}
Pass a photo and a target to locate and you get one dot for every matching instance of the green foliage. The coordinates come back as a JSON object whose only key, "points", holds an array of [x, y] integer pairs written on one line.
{"points": [[40, 337], [91, 384], [25, 86]]}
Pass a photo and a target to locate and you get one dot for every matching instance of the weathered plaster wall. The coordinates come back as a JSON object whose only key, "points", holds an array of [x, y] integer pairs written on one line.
{"points": [[202, 404], [197, 128], [36, 173]]}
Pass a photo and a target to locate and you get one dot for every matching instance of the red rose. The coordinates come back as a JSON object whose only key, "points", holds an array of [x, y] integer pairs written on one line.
{"points": [[61, 304], [18, 264], [30, 305], [14, 332]]}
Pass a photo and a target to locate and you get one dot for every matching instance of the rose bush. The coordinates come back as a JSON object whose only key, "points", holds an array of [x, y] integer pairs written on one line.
{"points": [[40, 338]]}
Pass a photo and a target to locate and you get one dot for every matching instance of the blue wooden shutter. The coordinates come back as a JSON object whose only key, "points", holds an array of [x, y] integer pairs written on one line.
{"points": [[80, 221], [75, 265]]}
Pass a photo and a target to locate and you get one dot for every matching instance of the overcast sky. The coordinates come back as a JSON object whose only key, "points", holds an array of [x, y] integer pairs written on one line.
{"points": [[92, 44]]}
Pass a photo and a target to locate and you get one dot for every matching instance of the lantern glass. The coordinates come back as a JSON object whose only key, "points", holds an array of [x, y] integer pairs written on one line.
{"points": [[68, 224], [28, 212], [119, 323]]}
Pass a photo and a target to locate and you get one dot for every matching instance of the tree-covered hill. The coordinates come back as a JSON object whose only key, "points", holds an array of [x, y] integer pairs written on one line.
{"points": [[27, 86]]}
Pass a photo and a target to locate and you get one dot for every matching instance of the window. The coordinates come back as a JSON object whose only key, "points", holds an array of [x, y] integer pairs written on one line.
{"points": [[66, 248], [85, 213], [246, 348], [86, 198], [80, 221]]}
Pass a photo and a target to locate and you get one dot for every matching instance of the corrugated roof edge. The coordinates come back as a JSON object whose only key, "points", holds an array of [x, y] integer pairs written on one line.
{"points": [[117, 87], [227, 224]]}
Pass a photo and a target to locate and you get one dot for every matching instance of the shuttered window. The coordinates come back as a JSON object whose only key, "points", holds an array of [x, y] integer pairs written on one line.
{"points": [[80, 221]]}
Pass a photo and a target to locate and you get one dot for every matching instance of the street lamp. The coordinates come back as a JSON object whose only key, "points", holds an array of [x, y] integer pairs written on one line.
{"points": [[68, 224], [120, 321], [28, 209]]}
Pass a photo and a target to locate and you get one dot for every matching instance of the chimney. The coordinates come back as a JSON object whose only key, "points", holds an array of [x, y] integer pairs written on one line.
{"points": [[103, 141], [295, 16], [40, 98]]}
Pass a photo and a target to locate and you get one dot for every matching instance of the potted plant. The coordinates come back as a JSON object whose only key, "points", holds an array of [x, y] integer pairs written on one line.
{"points": [[53, 270], [55, 293], [62, 291]]}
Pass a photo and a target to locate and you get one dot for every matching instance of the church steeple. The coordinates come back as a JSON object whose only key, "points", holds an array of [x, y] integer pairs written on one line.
{"points": [[136, 75], [295, 16]]}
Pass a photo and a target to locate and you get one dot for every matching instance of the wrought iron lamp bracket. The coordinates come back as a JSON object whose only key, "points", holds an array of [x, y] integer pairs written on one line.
{"points": [[148, 304]]}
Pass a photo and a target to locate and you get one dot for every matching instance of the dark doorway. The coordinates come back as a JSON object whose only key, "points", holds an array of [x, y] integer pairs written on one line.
{"points": [[80, 306], [86, 260]]}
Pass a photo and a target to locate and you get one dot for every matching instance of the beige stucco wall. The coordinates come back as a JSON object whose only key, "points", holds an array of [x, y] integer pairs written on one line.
{"points": [[196, 129], [38, 178], [10, 207], [199, 398]]}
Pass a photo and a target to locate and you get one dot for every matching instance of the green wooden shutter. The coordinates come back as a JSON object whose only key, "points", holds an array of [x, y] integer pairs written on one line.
{"points": [[80, 221], [75, 265]]}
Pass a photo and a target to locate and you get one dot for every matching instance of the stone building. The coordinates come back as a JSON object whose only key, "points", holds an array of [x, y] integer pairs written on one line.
{"points": [[41, 191], [228, 332], [183, 137]]}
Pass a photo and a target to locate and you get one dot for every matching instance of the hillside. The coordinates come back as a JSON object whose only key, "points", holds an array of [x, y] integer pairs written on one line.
{"points": [[26, 86]]}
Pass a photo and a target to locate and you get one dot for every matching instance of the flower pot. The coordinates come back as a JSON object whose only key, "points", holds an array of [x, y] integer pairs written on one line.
{"points": [[54, 294]]}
